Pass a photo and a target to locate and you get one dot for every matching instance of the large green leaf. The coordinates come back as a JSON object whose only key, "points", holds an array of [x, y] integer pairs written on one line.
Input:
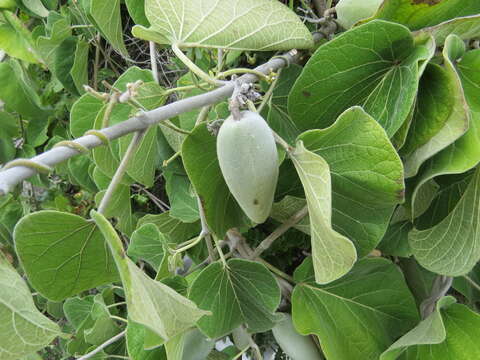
{"points": [[17, 93], [441, 116], [23, 328], [359, 316], [429, 331], [229, 24], [58, 30], [418, 14], [333, 254], [366, 172], [16, 40], [199, 154], [136, 9], [464, 153], [467, 27], [462, 331], [240, 292], [106, 16], [452, 247], [375, 65], [62, 254], [150, 303]]}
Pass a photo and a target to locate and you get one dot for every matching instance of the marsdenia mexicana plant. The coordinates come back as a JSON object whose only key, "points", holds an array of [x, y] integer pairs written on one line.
{"points": [[249, 163]]}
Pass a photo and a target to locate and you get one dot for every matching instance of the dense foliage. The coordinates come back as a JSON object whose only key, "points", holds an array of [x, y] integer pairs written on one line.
{"points": [[148, 246]]}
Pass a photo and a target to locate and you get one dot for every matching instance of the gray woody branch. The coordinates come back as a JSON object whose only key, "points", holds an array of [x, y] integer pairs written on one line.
{"points": [[16, 174]]}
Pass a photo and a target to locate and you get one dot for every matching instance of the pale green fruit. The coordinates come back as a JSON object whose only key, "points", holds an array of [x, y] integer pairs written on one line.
{"points": [[249, 162], [349, 12], [7, 4], [296, 346]]}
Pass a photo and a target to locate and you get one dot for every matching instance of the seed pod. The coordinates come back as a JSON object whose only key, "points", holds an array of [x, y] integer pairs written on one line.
{"points": [[293, 344], [249, 162]]}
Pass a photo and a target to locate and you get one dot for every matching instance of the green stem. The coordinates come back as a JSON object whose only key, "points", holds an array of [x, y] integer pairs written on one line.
{"points": [[230, 72], [121, 170], [170, 125], [277, 271], [182, 88], [194, 68], [269, 93], [473, 283], [172, 158]]}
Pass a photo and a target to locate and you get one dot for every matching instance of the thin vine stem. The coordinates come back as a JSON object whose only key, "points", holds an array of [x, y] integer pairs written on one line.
{"points": [[473, 283], [193, 67], [282, 229], [103, 346], [121, 170]]}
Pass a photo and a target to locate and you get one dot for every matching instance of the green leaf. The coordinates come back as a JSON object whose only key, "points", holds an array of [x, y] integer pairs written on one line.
{"points": [[349, 12], [24, 329], [47, 45], [79, 70], [441, 116], [176, 231], [467, 27], [462, 327], [366, 172], [36, 7], [148, 243], [16, 40], [62, 254], [395, 241], [429, 331], [136, 9], [106, 15], [199, 154], [358, 316], [150, 303], [240, 292], [104, 327], [78, 309], [333, 254], [422, 13], [183, 202], [464, 153], [192, 345], [64, 60], [83, 114], [136, 347], [452, 247], [375, 65], [238, 25], [17, 92], [120, 207]]}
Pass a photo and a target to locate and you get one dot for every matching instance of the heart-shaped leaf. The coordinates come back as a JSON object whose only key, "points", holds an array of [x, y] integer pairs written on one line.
{"points": [[63, 254], [221, 24], [240, 292]]}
